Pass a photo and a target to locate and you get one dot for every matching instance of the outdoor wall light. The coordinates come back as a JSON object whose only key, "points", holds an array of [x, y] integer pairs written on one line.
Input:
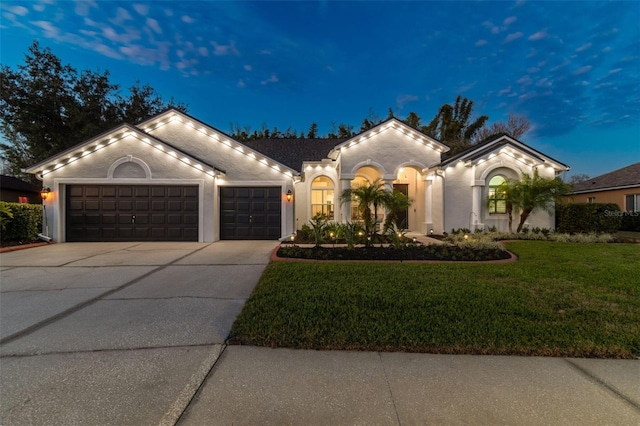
{"points": [[289, 196], [44, 193]]}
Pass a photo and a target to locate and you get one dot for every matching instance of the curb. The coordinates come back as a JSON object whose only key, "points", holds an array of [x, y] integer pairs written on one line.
{"points": [[24, 246]]}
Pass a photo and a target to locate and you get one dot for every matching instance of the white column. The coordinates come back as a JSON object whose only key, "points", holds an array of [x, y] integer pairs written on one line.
{"points": [[345, 210], [428, 205], [475, 217]]}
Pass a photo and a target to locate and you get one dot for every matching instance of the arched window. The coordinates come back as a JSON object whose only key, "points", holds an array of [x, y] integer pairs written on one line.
{"points": [[497, 199], [357, 181], [322, 200]]}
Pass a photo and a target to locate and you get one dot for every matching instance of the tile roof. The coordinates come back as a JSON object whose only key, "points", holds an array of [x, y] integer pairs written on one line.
{"points": [[624, 177], [293, 152]]}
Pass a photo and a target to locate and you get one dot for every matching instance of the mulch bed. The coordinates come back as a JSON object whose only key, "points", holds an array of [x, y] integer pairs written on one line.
{"points": [[415, 253]]}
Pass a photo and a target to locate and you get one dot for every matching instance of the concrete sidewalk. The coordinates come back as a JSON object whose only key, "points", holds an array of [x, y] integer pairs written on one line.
{"points": [[251, 385]]}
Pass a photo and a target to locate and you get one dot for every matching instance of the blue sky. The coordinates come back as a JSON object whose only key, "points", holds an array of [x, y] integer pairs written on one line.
{"points": [[572, 68]]}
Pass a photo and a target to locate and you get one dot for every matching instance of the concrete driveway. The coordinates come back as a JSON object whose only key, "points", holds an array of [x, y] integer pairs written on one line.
{"points": [[117, 333]]}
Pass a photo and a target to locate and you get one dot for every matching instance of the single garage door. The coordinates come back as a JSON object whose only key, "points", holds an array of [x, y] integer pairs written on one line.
{"points": [[250, 213], [131, 213]]}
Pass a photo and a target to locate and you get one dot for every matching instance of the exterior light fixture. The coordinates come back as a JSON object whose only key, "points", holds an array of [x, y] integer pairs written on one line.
{"points": [[44, 193], [431, 232], [466, 237], [289, 196]]}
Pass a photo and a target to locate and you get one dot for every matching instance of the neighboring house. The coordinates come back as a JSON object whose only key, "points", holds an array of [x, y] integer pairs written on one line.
{"points": [[173, 177], [621, 187], [15, 190]]}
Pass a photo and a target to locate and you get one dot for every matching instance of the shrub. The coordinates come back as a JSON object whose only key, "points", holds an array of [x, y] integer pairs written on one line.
{"points": [[22, 222], [588, 217], [630, 222]]}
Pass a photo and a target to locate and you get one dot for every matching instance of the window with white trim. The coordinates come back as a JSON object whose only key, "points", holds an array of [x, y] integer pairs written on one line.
{"points": [[632, 203], [322, 197], [497, 199]]}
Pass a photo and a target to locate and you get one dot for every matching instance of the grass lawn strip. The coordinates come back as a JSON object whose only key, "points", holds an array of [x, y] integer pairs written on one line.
{"points": [[559, 299]]}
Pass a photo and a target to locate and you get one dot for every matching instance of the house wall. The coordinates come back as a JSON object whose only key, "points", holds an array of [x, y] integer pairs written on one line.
{"points": [[98, 168], [383, 155], [241, 169], [466, 190], [616, 196]]}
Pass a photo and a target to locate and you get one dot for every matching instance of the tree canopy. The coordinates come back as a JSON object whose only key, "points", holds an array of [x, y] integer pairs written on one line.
{"points": [[47, 107]]}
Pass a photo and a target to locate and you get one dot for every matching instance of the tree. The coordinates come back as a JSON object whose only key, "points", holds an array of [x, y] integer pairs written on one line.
{"points": [[367, 195], [47, 107], [397, 203], [413, 120], [530, 193], [516, 126], [578, 178], [313, 131], [452, 125]]}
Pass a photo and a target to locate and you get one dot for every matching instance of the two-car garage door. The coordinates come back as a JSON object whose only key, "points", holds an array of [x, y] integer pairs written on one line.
{"points": [[131, 213], [168, 213]]}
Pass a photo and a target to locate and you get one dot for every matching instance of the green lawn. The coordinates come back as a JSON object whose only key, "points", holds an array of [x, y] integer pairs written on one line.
{"points": [[558, 299]]}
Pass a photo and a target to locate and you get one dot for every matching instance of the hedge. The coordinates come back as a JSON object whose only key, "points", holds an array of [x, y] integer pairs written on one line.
{"points": [[631, 221], [588, 217], [23, 223]]}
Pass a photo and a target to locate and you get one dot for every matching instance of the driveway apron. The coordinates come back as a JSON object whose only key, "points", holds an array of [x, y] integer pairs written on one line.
{"points": [[117, 333]]}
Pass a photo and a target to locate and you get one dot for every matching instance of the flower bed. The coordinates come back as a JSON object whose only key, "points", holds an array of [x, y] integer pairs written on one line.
{"points": [[438, 252]]}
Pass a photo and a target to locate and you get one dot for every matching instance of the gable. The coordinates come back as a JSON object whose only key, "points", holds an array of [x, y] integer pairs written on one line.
{"points": [[91, 152], [388, 145], [509, 149], [203, 141]]}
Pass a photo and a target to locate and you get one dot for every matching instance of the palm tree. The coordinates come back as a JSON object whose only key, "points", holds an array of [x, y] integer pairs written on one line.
{"points": [[530, 193], [367, 195], [398, 202]]}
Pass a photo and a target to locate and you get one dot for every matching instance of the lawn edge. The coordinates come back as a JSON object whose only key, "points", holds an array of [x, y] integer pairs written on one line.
{"points": [[512, 258]]}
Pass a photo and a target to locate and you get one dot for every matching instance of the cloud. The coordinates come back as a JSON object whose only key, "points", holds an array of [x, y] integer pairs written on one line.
{"points": [[142, 9], [510, 20], [481, 43], [17, 10], [49, 29], [504, 91], [187, 19], [241, 83], [83, 8], [203, 51], [225, 49], [584, 47], [272, 79], [402, 100], [538, 36], [154, 25], [513, 36], [122, 15], [248, 67], [582, 70], [467, 87]]}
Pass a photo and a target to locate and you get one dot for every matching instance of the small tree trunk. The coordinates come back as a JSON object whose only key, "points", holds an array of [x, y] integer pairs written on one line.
{"points": [[523, 217], [510, 212]]}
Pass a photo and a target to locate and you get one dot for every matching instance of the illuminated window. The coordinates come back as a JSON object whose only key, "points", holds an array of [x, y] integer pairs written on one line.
{"points": [[322, 200], [358, 181], [497, 199]]}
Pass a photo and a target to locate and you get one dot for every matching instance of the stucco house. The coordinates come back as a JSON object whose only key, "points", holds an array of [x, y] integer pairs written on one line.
{"points": [[621, 187], [174, 178]]}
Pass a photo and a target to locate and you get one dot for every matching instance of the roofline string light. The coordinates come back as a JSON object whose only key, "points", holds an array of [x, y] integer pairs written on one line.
{"points": [[129, 133], [410, 134], [228, 142]]}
